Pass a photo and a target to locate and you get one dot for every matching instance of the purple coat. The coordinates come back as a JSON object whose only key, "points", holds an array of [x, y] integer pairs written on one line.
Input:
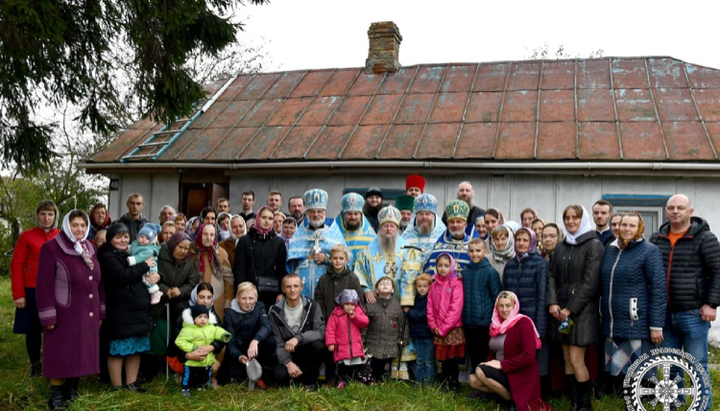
{"points": [[70, 296]]}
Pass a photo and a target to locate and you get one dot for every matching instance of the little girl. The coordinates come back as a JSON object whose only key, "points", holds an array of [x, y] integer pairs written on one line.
{"points": [[421, 332], [342, 335], [144, 247], [384, 334], [444, 313]]}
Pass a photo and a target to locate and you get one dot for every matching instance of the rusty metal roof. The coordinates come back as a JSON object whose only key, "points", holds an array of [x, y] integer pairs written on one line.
{"points": [[608, 109]]}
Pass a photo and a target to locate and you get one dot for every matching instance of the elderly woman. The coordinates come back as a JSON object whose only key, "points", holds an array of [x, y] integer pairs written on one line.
{"points": [[128, 306], [179, 275], [71, 304], [23, 274], [513, 373], [99, 220], [237, 230], [167, 231], [573, 299], [252, 336], [213, 266], [634, 298], [260, 258]]}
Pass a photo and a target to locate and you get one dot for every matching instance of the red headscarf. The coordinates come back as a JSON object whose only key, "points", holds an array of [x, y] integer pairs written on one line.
{"points": [[209, 252], [499, 327]]}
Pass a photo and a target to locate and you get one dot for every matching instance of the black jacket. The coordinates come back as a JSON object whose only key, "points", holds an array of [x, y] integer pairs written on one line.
{"points": [[331, 284], [185, 278], [574, 282], [312, 329], [245, 327], [692, 267], [127, 300], [417, 318], [259, 255]]}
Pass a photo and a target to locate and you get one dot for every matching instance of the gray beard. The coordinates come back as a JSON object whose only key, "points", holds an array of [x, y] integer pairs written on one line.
{"points": [[316, 224], [457, 235], [387, 245], [424, 230], [403, 225]]}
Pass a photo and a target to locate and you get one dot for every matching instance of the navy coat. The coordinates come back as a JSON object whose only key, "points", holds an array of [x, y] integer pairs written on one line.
{"points": [[527, 278]]}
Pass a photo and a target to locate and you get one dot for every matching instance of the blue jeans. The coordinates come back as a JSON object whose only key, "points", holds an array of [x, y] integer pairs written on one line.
{"points": [[425, 350], [686, 329]]}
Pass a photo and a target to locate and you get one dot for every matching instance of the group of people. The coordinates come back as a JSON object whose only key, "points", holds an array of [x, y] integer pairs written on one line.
{"points": [[377, 292]]}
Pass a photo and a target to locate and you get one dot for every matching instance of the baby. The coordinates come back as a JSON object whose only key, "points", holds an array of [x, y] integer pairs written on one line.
{"points": [[196, 332], [144, 247]]}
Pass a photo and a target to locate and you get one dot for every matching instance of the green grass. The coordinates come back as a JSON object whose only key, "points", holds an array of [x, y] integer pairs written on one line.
{"points": [[19, 392]]}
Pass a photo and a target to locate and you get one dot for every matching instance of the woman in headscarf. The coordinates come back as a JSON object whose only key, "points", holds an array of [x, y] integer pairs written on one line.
{"points": [[213, 266], [99, 220], [513, 373], [260, 258], [179, 275], [192, 225], [634, 298], [573, 298], [501, 247], [23, 274], [237, 230], [223, 225], [526, 276], [129, 320], [71, 305]]}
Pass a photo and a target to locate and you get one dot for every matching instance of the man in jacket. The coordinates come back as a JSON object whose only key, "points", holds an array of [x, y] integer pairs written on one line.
{"points": [[299, 331], [134, 219], [691, 258]]}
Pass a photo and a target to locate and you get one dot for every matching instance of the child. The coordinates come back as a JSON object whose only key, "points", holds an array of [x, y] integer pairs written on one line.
{"points": [[342, 335], [337, 278], [444, 313], [145, 246], [195, 333], [421, 332], [384, 333], [481, 285]]}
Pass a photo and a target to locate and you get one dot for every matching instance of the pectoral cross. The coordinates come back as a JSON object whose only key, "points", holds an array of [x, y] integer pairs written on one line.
{"points": [[317, 236]]}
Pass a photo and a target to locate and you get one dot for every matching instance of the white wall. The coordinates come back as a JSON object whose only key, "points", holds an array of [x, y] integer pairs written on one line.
{"points": [[157, 190]]}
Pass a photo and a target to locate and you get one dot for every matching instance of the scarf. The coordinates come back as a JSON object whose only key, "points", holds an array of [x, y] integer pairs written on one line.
{"points": [[500, 327], [256, 226], [232, 235], [172, 244], [209, 252], [79, 245], [193, 298], [533, 240], [453, 269], [224, 234], [509, 251], [189, 224], [584, 228], [623, 242]]}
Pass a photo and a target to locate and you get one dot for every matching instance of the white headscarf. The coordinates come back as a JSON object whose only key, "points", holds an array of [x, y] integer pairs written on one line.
{"points": [[77, 244], [584, 228]]}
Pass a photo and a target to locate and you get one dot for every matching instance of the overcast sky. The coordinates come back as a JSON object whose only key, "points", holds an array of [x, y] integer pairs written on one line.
{"points": [[314, 34]]}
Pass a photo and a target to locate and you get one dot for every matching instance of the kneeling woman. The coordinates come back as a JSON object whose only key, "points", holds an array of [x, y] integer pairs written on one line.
{"points": [[252, 337], [513, 374]]}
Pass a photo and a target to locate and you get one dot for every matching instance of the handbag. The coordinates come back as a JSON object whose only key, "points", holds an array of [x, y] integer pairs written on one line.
{"points": [[267, 284]]}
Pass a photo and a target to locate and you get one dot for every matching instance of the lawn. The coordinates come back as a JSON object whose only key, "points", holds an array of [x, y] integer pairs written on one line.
{"points": [[19, 392]]}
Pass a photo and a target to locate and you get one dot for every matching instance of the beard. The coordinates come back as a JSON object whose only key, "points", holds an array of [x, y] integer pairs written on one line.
{"points": [[352, 226], [457, 234], [297, 216], [425, 229], [370, 210], [387, 244], [469, 201], [404, 224], [315, 224]]}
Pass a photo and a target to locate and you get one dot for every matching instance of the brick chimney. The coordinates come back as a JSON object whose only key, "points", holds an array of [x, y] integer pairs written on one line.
{"points": [[384, 50]]}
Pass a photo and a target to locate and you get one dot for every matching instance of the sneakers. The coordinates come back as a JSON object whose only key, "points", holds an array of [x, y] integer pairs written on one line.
{"points": [[186, 392]]}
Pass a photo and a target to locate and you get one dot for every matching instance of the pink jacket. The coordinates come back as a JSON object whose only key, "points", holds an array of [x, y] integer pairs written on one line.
{"points": [[344, 332], [445, 302]]}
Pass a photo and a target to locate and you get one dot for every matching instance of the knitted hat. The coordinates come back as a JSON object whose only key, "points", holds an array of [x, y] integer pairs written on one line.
{"points": [[426, 202], [316, 199], [415, 180], [404, 202], [352, 202], [347, 296], [198, 309], [373, 191], [254, 373], [457, 209], [115, 229], [149, 230], [389, 214]]}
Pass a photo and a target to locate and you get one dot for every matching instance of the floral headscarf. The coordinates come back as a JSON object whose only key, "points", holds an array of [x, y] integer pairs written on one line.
{"points": [[209, 252], [172, 244]]}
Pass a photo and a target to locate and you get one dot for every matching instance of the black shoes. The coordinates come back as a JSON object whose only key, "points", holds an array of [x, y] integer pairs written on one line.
{"points": [[57, 398], [36, 369], [135, 387]]}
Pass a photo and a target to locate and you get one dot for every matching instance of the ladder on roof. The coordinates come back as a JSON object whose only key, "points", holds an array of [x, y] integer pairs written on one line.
{"points": [[156, 144]]}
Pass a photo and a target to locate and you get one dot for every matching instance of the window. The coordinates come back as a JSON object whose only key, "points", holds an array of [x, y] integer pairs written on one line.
{"points": [[650, 207]]}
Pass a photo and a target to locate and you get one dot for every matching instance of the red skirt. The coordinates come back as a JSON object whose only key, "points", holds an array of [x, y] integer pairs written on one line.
{"points": [[450, 346]]}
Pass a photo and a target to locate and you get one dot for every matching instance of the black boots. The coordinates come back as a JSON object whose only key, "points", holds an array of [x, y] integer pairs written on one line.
{"points": [[57, 398], [584, 390], [36, 369], [70, 389], [572, 389]]}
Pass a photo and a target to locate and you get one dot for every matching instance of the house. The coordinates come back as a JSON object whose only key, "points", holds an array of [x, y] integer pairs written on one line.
{"points": [[543, 133]]}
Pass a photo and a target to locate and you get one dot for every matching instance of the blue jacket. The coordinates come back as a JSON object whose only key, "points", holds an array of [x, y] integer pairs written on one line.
{"points": [[417, 317], [634, 292], [481, 283], [527, 278]]}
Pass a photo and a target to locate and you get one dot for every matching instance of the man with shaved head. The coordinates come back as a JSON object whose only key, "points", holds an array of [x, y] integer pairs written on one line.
{"points": [[691, 255], [466, 193]]}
